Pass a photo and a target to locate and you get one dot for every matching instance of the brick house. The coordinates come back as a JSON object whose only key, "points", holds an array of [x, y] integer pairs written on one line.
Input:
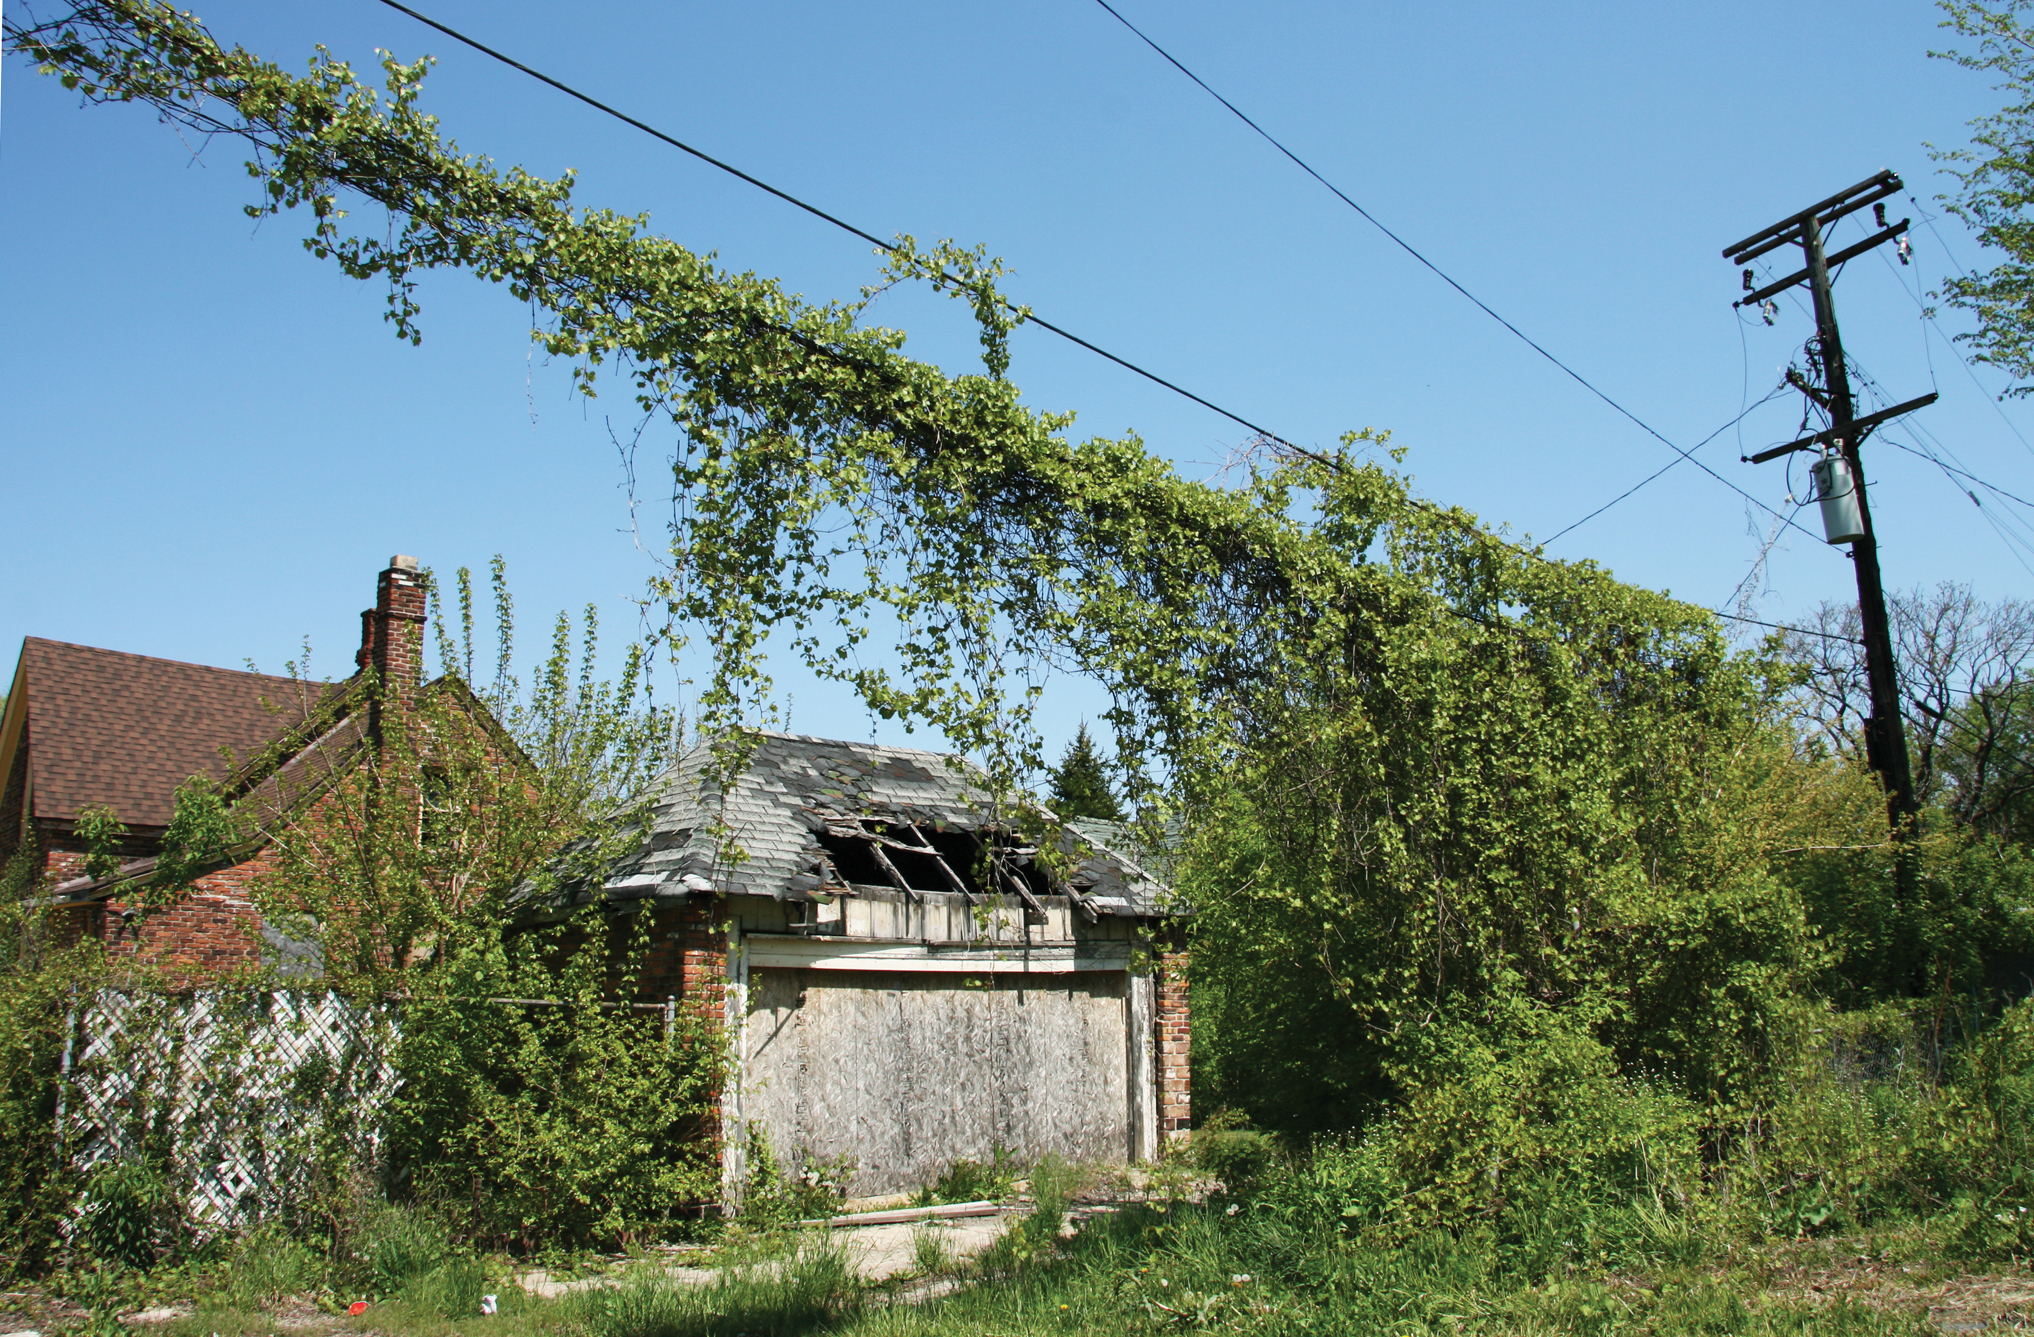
{"points": [[906, 981], [87, 727]]}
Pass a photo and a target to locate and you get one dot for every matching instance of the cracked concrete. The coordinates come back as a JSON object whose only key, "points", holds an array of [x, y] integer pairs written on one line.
{"points": [[876, 1252]]}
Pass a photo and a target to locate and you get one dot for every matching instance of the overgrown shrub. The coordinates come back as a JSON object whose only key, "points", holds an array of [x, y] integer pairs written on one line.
{"points": [[41, 980], [1228, 1149], [567, 1118], [128, 1214]]}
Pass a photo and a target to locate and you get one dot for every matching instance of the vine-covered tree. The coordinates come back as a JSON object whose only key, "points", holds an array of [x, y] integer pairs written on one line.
{"points": [[1515, 834], [1080, 783]]}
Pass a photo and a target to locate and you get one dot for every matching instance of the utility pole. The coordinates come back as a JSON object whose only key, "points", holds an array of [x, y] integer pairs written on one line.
{"points": [[1839, 473]]}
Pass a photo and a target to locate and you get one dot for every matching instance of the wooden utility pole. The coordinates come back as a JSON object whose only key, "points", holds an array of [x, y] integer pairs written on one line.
{"points": [[1885, 732]]}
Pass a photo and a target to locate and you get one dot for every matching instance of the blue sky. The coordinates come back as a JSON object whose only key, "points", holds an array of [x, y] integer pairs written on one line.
{"points": [[212, 441]]}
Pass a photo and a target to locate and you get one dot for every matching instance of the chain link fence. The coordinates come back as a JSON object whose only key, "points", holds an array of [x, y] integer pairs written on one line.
{"points": [[243, 1098]]}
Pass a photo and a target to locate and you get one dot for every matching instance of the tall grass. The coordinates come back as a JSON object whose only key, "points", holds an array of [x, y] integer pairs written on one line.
{"points": [[809, 1284]]}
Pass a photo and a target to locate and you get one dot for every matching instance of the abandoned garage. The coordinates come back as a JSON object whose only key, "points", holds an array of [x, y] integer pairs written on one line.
{"points": [[905, 982]]}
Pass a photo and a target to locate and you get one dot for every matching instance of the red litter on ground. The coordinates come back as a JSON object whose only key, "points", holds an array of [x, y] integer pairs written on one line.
{"points": [[357, 1308]]}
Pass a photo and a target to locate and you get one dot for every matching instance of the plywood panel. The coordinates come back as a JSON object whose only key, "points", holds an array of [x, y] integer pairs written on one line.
{"points": [[907, 1071]]}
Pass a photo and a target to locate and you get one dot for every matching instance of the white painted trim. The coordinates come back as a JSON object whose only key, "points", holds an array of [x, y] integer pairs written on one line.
{"points": [[1143, 1071], [734, 1141], [767, 951]]}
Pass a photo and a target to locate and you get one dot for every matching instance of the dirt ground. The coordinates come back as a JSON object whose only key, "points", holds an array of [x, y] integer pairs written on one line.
{"points": [[1956, 1303]]}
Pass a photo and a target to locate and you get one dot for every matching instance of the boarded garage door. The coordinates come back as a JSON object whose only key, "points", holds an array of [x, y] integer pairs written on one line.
{"points": [[908, 1071]]}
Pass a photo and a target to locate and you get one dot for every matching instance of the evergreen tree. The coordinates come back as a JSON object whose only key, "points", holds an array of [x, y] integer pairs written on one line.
{"points": [[1080, 783]]}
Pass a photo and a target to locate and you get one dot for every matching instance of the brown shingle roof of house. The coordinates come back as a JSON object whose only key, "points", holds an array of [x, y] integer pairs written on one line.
{"points": [[125, 730]]}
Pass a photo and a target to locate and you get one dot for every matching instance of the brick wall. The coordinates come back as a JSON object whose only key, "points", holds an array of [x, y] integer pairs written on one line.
{"points": [[214, 930], [1170, 1024], [60, 864], [688, 956]]}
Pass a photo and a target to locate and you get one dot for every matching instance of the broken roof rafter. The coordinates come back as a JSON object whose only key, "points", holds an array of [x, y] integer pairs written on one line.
{"points": [[890, 871], [879, 841]]}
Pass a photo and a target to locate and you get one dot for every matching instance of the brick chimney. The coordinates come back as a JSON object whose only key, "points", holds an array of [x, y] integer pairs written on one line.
{"points": [[392, 632]]}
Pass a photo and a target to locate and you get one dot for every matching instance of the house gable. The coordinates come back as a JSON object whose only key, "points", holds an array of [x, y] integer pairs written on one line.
{"points": [[85, 727]]}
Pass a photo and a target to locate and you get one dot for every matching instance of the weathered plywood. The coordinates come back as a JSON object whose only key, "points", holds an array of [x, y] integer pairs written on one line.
{"points": [[941, 917], [909, 1071]]}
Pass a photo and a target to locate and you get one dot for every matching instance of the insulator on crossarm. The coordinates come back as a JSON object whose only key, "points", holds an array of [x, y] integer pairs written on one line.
{"points": [[1769, 309], [1747, 280], [1906, 251], [1879, 213]]}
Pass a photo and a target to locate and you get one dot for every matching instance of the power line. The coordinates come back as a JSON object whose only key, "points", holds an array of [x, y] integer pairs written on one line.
{"points": [[1990, 519], [1960, 473], [1444, 276], [813, 209], [1665, 467], [1370, 218], [2014, 540], [1930, 326], [1934, 456], [2012, 532], [1780, 626]]}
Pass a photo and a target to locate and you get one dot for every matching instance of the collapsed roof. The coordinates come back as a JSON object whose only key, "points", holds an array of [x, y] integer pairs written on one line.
{"points": [[814, 817]]}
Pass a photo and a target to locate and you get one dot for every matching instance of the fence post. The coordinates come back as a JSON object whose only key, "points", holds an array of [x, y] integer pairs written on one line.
{"points": [[670, 1016], [64, 1073]]}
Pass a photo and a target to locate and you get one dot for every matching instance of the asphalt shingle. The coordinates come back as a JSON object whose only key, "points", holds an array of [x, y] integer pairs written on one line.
{"points": [[793, 783]]}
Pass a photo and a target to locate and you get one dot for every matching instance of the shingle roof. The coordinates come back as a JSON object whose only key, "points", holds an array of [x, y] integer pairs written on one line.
{"points": [[781, 800], [1129, 868], [125, 730], [314, 743]]}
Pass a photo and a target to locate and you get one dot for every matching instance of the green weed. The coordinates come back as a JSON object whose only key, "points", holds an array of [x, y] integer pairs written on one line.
{"points": [[972, 1181]]}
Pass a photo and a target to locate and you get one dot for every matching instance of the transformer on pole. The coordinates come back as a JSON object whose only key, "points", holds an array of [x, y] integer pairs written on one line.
{"points": [[1839, 473]]}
